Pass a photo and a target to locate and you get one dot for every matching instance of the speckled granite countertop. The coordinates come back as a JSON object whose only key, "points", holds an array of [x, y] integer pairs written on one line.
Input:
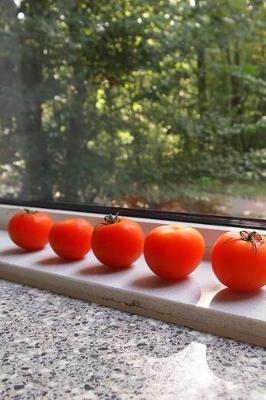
{"points": [[54, 347]]}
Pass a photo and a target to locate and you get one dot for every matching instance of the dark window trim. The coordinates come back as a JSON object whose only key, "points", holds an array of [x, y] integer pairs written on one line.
{"points": [[208, 219]]}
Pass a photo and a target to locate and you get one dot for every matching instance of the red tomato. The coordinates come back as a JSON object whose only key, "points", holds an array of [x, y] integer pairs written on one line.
{"points": [[71, 238], [173, 251], [117, 242], [239, 260], [30, 229]]}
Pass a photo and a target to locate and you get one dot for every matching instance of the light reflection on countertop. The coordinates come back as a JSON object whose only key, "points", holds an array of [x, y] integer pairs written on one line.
{"points": [[54, 347], [187, 373]]}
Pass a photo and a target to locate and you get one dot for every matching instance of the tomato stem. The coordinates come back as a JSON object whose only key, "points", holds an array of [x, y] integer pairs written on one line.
{"points": [[250, 236], [27, 211], [253, 237], [111, 219]]}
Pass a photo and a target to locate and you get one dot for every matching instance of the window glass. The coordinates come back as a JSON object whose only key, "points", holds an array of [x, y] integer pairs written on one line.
{"points": [[156, 104]]}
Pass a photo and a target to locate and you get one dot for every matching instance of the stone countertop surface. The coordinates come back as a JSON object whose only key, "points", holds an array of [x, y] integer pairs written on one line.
{"points": [[54, 347]]}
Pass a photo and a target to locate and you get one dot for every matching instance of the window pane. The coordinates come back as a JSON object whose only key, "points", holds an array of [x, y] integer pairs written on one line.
{"points": [[157, 104]]}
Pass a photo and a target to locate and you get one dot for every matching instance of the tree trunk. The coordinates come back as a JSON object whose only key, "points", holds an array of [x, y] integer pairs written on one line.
{"points": [[75, 142], [74, 145], [235, 83], [37, 178], [201, 70]]}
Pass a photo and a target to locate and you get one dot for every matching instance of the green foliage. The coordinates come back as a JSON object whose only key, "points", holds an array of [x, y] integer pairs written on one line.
{"points": [[104, 101]]}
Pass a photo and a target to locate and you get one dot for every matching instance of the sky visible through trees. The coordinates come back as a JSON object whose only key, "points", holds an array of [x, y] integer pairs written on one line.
{"points": [[153, 103]]}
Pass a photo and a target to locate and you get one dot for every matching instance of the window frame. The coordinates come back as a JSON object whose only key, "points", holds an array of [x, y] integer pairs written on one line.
{"points": [[147, 213]]}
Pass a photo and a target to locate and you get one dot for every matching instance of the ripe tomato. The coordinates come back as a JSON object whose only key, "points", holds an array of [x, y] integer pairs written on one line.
{"points": [[71, 238], [117, 242], [30, 229], [173, 251], [239, 260]]}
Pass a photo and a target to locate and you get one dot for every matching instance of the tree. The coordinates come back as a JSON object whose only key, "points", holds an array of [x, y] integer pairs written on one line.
{"points": [[111, 101]]}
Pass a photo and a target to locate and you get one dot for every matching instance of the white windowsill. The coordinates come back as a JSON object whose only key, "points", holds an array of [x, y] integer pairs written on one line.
{"points": [[199, 302]]}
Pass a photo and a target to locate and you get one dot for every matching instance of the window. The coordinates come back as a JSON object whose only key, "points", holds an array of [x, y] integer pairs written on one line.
{"points": [[141, 104]]}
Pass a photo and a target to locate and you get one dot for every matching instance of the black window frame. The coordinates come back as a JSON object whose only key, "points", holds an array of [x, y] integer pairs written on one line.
{"points": [[148, 213]]}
